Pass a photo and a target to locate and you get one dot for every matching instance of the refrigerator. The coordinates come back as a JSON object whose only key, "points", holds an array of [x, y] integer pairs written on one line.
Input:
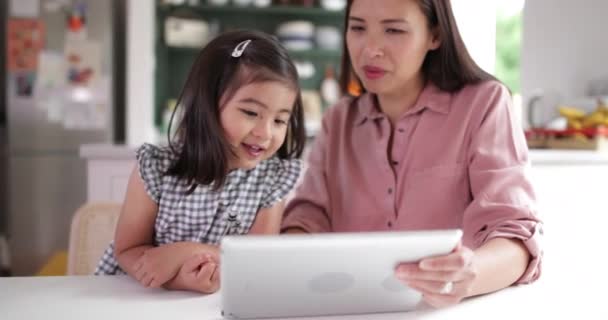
{"points": [[63, 86]]}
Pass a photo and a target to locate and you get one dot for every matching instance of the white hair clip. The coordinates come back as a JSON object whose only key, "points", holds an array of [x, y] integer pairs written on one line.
{"points": [[238, 50]]}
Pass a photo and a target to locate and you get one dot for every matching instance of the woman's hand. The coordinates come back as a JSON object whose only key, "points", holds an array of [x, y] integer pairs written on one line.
{"points": [[442, 280], [199, 273]]}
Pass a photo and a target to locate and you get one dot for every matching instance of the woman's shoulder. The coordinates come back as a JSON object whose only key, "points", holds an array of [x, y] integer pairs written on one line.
{"points": [[487, 89], [348, 107]]}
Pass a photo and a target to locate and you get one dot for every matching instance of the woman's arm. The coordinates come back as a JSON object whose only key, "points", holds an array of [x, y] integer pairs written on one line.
{"points": [[500, 262], [497, 264], [500, 222]]}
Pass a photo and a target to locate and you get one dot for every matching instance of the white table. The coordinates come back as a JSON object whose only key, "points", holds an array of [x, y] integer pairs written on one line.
{"points": [[110, 298]]}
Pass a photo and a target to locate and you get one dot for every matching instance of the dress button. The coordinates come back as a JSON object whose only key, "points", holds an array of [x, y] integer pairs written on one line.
{"points": [[389, 224], [390, 190], [394, 163], [401, 130]]}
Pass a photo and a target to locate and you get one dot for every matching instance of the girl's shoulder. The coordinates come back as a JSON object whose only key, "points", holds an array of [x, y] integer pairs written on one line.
{"points": [[156, 157], [154, 151], [277, 166]]}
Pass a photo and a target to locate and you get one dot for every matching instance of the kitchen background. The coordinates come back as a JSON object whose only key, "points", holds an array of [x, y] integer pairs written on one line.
{"points": [[87, 81]]}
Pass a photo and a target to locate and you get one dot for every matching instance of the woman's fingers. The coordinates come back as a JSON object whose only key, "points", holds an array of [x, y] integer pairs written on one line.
{"points": [[438, 276], [456, 260], [439, 300]]}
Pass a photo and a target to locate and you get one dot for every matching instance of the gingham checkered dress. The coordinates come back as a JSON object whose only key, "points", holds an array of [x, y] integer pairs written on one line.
{"points": [[206, 215]]}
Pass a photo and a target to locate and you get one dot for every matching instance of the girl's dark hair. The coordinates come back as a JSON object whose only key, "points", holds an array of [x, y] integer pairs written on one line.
{"points": [[450, 67], [199, 141]]}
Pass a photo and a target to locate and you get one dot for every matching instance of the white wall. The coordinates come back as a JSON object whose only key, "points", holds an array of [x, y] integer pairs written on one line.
{"points": [[140, 72], [564, 47], [476, 21]]}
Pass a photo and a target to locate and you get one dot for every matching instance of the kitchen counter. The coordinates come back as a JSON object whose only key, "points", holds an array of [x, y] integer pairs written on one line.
{"points": [[568, 157], [537, 156], [107, 151]]}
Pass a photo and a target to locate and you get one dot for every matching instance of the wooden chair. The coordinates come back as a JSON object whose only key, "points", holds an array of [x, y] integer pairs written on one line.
{"points": [[92, 229]]}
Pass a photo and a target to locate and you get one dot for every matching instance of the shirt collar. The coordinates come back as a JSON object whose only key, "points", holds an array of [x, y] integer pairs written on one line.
{"points": [[431, 98]]}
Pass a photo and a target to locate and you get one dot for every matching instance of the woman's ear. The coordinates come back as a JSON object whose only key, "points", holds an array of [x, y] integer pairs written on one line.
{"points": [[435, 40]]}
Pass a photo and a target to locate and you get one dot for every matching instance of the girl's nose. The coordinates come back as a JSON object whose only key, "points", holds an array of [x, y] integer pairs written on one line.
{"points": [[263, 130]]}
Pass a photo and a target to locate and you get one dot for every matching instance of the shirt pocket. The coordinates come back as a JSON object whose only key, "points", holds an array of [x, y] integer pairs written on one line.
{"points": [[438, 195]]}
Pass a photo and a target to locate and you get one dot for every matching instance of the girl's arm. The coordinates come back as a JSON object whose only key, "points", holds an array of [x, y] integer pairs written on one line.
{"points": [[135, 228], [201, 273], [268, 220], [134, 240]]}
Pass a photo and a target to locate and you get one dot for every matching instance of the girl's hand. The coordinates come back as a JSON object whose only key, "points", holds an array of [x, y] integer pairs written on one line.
{"points": [[157, 265], [200, 273], [432, 276]]}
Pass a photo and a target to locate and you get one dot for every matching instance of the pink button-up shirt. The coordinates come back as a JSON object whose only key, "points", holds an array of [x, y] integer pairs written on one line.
{"points": [[457, 160]]}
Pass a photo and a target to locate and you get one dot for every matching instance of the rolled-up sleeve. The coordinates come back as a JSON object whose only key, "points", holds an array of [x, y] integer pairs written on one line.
{"points": [[503, 197], [308, 209]]}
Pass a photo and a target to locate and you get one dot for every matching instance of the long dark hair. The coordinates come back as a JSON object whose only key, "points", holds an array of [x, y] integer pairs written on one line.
{"points": [[450, 67], [199, 142]]}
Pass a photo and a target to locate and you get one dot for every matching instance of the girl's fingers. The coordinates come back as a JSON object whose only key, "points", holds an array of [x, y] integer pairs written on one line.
{"points": [[147, 279], [216, 276], [140, 274], [206, 271], [193, 263], [138, 265]]}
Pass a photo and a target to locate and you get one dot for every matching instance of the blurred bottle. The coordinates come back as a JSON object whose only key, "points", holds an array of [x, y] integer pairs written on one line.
{"points": [[330, 88]]}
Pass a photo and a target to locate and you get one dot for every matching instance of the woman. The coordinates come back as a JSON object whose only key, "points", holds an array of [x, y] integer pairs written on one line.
{"points": [[431, 142]]}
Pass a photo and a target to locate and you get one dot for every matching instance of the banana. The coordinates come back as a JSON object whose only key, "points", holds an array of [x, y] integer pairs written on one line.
{"points": [[571, 112]]}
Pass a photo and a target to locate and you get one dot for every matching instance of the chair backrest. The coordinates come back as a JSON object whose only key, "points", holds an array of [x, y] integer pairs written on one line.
{"points": [[92, 230]]}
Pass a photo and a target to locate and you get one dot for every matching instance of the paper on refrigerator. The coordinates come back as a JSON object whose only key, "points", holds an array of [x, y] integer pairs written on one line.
{"points": [[87, 92]]}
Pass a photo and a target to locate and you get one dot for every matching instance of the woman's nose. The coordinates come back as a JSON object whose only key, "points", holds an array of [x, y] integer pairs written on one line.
{"points": [[373, 48]]}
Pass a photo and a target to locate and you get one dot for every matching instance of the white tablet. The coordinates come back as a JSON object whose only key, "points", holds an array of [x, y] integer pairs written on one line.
{"points": [[323, 274]]}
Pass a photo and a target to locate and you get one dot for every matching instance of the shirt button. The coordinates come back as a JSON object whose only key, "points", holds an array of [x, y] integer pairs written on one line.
{"points": [[393, 162], [389, 224], [401, 130], [390, 190]]}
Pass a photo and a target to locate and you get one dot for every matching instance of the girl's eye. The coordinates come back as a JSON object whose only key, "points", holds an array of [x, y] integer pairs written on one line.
{"points": [[249, 113], [356, 28]]}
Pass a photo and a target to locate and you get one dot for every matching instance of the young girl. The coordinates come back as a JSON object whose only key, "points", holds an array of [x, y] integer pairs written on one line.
{"points": [[227, 168]]}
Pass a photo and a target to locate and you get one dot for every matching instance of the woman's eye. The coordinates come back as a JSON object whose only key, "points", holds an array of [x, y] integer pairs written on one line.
{"points": [[249, 113], [394, 31], [356, 28], [280, 122]]}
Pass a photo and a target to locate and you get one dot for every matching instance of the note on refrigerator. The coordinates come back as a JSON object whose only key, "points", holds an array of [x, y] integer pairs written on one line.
{"points": [[85, 106], [25, 39], [24, 8], [49, 89]]}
